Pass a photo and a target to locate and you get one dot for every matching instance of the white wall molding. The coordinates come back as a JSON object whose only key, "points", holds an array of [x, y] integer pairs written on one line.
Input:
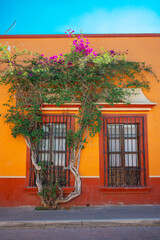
{"points": [[89, 176], [12, 176], [154, 176]]}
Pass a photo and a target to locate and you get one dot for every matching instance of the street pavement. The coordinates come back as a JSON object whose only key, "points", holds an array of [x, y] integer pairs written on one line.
{"points": [[81, 223], [109, 233], [107, 216]]}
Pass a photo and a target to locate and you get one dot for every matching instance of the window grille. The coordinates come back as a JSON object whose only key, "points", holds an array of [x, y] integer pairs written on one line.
{"points": [[124, 151], [52, 150]]}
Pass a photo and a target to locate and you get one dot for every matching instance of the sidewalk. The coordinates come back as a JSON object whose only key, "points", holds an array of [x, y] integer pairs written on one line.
{"points": [[28, 217]]}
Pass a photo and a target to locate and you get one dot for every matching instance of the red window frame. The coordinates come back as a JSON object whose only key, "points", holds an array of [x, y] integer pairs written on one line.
{"points": [[50, 118], [124, 119]]}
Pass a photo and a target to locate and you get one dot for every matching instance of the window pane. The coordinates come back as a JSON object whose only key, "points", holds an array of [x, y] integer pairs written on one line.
{"points": [[46, 129], [59, 159], [131, 160], [130, 130], [130, 145], [114, 145], [59, 144], [44, 145], [59, 129], [114, 130], [114, 160], [43, 157]]}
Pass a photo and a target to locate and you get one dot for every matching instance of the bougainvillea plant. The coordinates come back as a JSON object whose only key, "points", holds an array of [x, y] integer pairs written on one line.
{"points": [[82, 76]]}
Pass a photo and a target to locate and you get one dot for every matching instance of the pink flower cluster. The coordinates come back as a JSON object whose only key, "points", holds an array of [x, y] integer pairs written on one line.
{"points": [[54, 58], [83, 46], [80, 46]]}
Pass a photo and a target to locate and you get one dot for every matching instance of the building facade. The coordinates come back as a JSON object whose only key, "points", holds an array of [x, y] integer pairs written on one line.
{"points": [[121, 165]]}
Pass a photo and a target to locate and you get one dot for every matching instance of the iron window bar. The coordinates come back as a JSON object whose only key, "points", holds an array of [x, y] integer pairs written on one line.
{"points": [[124, 151], [52, 150]]}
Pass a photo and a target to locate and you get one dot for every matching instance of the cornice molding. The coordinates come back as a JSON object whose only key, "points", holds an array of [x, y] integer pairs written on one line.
{"points": [[119, 35]]}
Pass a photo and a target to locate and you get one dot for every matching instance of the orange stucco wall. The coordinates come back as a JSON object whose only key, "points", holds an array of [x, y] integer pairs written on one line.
{"points": [[12, 151], [147, 49]]}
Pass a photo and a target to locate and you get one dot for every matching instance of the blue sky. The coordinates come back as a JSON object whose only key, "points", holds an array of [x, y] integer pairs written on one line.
{"points": [[92, 16]]}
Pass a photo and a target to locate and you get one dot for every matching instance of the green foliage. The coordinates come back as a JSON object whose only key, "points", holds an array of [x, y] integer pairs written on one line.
{"points": [[34, 79], [50, 185]]}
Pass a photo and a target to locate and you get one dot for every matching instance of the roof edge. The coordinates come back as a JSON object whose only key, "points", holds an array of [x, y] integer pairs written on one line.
{"points": [[116, 35]]}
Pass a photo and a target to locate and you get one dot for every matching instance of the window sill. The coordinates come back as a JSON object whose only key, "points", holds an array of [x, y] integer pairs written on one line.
{"points": [[34, 190], [132, 190]]}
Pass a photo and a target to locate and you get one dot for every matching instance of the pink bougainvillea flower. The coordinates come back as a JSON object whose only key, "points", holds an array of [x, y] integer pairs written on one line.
{"points": [[54, 58], [95, 54], [81, 45], [88, 51], [74, 42], [20, 72]]}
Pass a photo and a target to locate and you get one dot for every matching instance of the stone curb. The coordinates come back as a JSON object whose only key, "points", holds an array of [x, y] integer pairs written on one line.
{"points": [[80, 223]]}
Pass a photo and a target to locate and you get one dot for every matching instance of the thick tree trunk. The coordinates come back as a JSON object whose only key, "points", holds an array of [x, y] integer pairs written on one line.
{"points": [[77, 183], [77, 190], [74, 170], [34, 162]]}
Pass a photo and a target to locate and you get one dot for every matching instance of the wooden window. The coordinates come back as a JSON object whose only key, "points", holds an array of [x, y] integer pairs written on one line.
{"points": [[52, 150], [52, 147], [124, 152]]}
